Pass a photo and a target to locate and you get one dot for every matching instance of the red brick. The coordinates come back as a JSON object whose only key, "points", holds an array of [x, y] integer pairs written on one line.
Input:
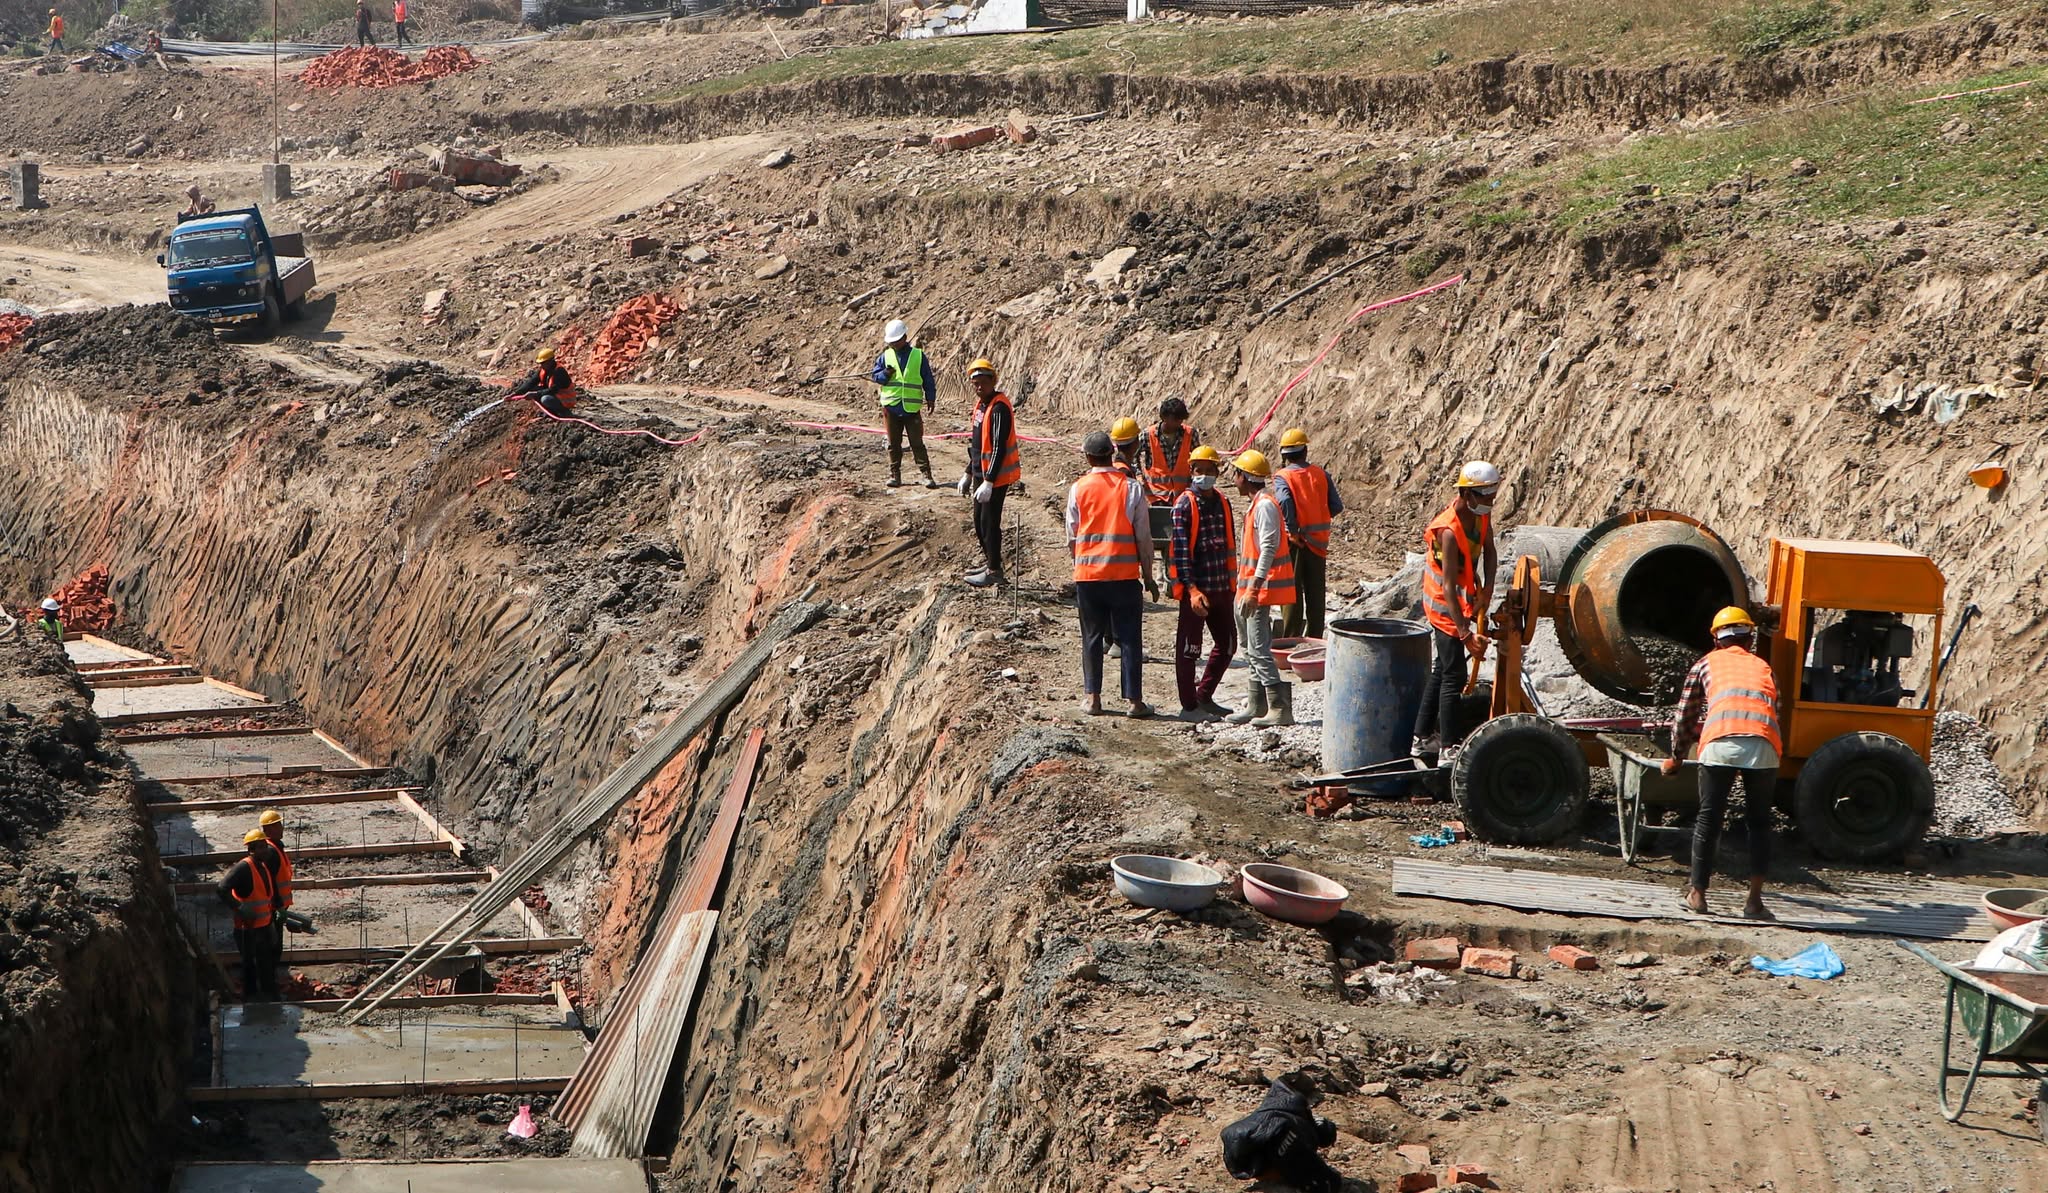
{"points": [[1416, 1182], [1572, 956], [1470, 1174], [1415, 1156], [639, 246], [966, 138], [1438, 952], [1458, 830], [1020, 129], [1499, 963]]}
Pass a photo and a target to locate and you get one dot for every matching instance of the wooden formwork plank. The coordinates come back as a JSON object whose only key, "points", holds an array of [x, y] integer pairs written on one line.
{"points": [[158, 682], [109, 676], [336, 746], [233, 690], [491, 946], [375, 1089], [367, 795], [289, 772], [533, 925], [116, 720], [425, 817], [387, 849]]}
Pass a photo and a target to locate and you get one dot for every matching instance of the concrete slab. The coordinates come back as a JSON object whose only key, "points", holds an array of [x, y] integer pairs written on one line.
{"points": [[362, 917], [88, 651], [317, 825], [446, 1176], [210, 757], [168, 698], [265, 1044]]}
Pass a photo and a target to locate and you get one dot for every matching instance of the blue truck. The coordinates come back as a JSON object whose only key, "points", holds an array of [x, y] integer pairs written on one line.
{"points": [[228, 268]]}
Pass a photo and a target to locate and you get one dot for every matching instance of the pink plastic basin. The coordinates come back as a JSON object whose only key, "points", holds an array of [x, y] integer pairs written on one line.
{"points": [[2000, 905], [1283, 647], [1307, 661], [1296, 896]]}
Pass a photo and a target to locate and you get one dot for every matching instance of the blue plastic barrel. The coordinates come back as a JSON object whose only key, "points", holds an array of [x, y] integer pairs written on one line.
{"points": [[1373, 685]]}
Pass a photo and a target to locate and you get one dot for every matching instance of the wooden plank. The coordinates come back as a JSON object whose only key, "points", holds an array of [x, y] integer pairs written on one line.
{"points": [[253, 776], [164, 681], [367, 795], [375, 1089], [336, 746], [232, 690], [561, 996], [492, 946], [533, 925], [421, 878], [105, 677], [417, 1001], [116, 720], [454, 843], [387, 849], [1929, 910]]}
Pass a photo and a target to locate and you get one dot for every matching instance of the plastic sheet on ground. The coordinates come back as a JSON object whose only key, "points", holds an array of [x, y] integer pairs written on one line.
{"points": [[1817, 962]]}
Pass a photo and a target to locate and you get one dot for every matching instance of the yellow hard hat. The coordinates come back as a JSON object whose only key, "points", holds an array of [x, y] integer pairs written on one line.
{"points": [[271, 816], [544, 355], [1206, 454], [1732, 617], [984, 365], [1123, 430], [1293, 437], [252, 836], [1253, 463]]}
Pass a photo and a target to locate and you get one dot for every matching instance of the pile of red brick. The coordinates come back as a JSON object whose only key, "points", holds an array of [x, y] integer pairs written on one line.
{"points": [[86, 603], [300, 988], [373, 66], [630, 331], [13, 329]]}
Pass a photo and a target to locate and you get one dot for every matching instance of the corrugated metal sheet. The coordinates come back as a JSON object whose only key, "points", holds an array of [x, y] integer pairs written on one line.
{"points": [[1880, 906]]}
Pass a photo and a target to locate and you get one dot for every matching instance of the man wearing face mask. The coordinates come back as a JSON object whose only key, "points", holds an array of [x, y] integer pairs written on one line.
{"points": [[1457, 587], [1201, 563]]}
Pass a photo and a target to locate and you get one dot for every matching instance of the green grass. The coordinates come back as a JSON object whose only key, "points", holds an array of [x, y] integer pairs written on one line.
{"points": [[1364, 41], [1877, 156]]}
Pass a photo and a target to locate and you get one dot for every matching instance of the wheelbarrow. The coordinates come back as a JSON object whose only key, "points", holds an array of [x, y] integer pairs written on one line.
{"points": [[2001, 1012], [1641, 786]]}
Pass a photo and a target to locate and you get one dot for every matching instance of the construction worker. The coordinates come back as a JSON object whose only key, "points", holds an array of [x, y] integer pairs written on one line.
{"points": [[1123, 439], [1265, 580], [250, 889], [56, 32], [992, 468], [1457, 587], [363, 35], [1730, 706], [1308, 500], [906, 385], [272, 823], [398, 20], [1165, 450], [551, 381], [1105, 510], [1202, 564], [199, 205], [49, 623]]}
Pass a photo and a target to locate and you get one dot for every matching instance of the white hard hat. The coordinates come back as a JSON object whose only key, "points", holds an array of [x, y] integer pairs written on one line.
{"points": [[897, 330], [1478, 475], [50, 605]]}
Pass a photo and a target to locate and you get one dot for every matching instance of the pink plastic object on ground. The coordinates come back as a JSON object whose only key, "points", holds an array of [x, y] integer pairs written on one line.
{"points": [[522, 1124]]}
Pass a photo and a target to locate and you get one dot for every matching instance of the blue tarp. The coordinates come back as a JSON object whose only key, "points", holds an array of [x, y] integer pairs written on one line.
{"points": [[1818, 962]]}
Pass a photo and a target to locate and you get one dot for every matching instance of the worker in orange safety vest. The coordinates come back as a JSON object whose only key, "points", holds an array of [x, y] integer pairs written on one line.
{"points": [[1458, 563], [56, 32], [1165, 450], [992, 469], [1308, 499], [1107, 517], [1730, 706], [1202, 564], [249, 888], [1265, 581], [272, 823]]}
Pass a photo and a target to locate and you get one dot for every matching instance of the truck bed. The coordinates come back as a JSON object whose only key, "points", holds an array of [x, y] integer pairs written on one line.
{"points": [[294, 278]]}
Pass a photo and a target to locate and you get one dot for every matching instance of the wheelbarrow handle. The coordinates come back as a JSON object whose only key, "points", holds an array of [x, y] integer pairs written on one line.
{"points": [[2016, 955]]}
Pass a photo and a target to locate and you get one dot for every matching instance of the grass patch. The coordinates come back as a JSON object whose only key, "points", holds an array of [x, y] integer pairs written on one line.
{"points": [[1883, 156], [1367, 41]]}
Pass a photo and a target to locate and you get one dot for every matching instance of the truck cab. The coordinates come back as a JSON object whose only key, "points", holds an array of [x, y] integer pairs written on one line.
{"points": [[229, 268]]}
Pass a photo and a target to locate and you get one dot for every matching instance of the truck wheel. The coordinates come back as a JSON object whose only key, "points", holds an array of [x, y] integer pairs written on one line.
{"points": [[273, 314], [1864, 797], [1521, 779]]}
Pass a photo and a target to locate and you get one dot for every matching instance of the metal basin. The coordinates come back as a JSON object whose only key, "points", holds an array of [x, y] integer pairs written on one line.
{"points": [[1164, 882], [1297, 896]]}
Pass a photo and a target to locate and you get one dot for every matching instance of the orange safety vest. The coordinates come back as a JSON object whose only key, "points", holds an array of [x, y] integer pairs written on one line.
{"points": [[1194, 504], [398, 12], [57, 26], [1105, 542], [1169, 478], [1309, 487], [284, 876], [1742, 697], [997, 472], [1436, 599], [253, 909], [1279, 586]]}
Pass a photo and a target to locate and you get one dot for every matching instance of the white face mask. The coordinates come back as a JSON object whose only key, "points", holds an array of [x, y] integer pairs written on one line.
{"points": [[1205, 483]]}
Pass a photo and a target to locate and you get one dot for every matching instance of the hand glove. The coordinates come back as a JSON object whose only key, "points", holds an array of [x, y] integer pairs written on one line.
{"points": [[1151, 588], [982, 494], [1669, 766], [966, 484]]}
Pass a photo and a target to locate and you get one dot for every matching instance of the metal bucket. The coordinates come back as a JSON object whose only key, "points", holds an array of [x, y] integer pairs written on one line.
{"points": [[1373, 684]]}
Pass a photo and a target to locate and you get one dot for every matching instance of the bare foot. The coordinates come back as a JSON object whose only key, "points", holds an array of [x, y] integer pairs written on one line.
{"points": [[1696, 901], [1755, 910]]}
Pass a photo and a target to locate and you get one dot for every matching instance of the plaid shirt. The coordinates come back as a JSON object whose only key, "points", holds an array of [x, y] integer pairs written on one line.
{"points": [[1212, 570]]}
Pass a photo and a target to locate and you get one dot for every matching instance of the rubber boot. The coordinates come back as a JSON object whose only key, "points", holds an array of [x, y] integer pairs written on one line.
{"points": [[1254, 706], [1280, 698]]}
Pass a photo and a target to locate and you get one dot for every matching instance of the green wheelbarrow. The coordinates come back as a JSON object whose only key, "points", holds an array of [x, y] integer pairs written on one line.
{"points": [[2001, 1013]]}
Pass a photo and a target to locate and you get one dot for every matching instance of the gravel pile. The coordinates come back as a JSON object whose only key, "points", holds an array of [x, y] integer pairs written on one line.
{"points": [[1299, 745], [1971, 798]]}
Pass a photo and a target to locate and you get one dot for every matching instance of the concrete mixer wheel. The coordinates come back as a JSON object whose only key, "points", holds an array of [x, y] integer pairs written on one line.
{"points": [[1864, 797], [1521, 779]]}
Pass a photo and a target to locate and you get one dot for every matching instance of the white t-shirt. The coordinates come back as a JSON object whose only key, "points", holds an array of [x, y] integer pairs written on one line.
{"points": [[1745, 750]]}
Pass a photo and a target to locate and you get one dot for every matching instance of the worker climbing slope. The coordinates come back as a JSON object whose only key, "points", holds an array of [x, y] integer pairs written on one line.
{"points": [[1458, 563], [1730, 706], [1308, 499], [906, 385]]}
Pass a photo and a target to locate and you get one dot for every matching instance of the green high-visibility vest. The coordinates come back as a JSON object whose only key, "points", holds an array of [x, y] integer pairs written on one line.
{"points": [[906, 389], [51, 626]]}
